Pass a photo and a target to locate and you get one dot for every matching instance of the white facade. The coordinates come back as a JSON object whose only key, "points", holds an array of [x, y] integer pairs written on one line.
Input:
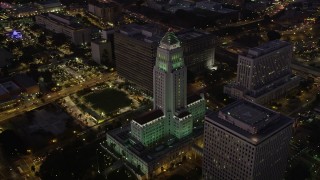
{"points": [[98, 48], [77, 34], [232, 153], [198, 109], [170, 96], [182, 126], [170, 82], [264, 64], [149, 132], [264, 73], [170, 78]]}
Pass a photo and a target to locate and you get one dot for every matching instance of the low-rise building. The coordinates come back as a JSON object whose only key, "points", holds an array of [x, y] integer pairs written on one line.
{"points": [[12, 87], [66, 25], [26, 83], [101, 51], [8, 90], [49, 6], [36, 8]]}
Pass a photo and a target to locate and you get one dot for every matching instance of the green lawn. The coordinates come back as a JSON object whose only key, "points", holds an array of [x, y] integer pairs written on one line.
{"points": [[108, 100]]}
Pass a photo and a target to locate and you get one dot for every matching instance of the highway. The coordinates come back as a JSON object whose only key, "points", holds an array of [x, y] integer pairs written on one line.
{"points": [[49, 98]]}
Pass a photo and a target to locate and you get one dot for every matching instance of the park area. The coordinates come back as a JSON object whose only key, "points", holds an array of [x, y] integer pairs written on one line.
{"points": [[107, 100]]}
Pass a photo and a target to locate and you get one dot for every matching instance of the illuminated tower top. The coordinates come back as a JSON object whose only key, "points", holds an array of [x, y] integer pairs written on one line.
{"points": [[169, 41], [170, 75], [169, 53]]}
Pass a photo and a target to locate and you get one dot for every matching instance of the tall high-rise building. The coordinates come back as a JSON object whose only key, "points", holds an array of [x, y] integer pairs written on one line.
{"points": [[136, 48], [245, 141], [175, 120], [198, 49], [264, 73], [170, 76]]}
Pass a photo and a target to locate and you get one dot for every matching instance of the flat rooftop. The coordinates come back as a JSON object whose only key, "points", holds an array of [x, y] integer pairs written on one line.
{"points": [[25, 8], [153, 154], [267, 48], [154, 33], [213, 6], [248, 113], [190, 34], [183, 114], [49, 2], [99, 41], [24, 81], [69, 21], [149, 33], [3, 90], [149, 116], [193, 98], [54, 15], [103, 4]]}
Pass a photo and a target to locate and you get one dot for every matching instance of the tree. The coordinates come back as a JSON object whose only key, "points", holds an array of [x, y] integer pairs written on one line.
{"points": [[34, 71], [299, 171], [2, 37], [33, 168], [139, 2], [191, 77], [267, 18], [58, 39], [35, 27], [12, 144], [42, 39], [66, 2], [70, 163], [273, 35]]}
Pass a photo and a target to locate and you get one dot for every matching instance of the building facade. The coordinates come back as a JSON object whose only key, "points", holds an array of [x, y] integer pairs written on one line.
{"points": [[66, 25], [264, 73], [136, 47], [5, 58], [36, 8], [170, 123], [101, 51], [13, 88], [232, 2], [198, 49], [107, 11], [246, 141], [135, 50]]}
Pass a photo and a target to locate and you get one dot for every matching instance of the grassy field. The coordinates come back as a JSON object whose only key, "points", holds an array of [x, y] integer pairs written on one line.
{"points": [[108, 100]]}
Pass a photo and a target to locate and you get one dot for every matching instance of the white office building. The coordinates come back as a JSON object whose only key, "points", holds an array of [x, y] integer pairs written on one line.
{"points": [[66, 25], [245, 141], [99, 49], [264, 73]]}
